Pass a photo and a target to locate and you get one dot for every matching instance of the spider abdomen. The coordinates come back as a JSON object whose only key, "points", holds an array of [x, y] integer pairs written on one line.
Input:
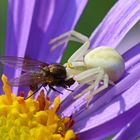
{"points": [[108, 59]]}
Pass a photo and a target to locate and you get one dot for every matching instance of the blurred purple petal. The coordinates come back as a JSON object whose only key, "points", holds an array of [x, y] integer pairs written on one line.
{"points": [[121, 18], [131, 131], [18, 28], [31, 24], [61, 16]]}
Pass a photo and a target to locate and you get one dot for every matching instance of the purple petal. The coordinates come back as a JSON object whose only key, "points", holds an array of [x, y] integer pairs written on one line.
{"points": [[104, 121], [121, 18], [131, 131], [112, 126], [130, 40]]}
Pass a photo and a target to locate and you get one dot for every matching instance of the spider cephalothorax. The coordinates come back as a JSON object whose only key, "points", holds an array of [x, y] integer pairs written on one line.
{"points": [[92, 66]]}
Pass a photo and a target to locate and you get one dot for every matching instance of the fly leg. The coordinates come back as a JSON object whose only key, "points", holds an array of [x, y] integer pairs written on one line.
{"points": [[55, 89], [69, 89], [34, 92], [47, 90]]}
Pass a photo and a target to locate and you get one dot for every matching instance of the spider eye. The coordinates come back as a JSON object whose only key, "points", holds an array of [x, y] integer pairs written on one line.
{"points": [[70, 65]]}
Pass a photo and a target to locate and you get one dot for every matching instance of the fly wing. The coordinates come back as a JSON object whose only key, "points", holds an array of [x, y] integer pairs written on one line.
{"points": [[24, 63], [28, 78]]}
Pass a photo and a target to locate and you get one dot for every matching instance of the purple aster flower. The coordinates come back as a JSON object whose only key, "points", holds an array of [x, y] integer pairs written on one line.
{"points": [[31, 26]]}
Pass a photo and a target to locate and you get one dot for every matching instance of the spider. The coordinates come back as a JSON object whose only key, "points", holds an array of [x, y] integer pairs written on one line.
{"points": [[97, 67]]}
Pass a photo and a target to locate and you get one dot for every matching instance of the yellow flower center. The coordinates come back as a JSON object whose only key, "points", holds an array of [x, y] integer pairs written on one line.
{"points": [[32, 119]]}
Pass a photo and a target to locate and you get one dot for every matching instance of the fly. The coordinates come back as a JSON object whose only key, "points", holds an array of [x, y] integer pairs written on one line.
{"points": [[37, 74]]}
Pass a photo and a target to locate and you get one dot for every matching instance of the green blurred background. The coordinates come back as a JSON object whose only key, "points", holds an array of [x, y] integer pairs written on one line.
{"points": [[3, 16], [92, 16]]}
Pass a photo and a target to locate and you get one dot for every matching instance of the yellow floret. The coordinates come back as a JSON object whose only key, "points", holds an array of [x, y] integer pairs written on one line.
{"points": [[31, 119]]}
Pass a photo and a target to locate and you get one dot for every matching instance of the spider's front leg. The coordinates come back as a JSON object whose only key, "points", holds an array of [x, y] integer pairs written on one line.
{"points": [[74, 36], [92, 77]]}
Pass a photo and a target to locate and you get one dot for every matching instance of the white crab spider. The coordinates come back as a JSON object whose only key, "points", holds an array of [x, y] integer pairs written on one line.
{"points": [[91, 66]]}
